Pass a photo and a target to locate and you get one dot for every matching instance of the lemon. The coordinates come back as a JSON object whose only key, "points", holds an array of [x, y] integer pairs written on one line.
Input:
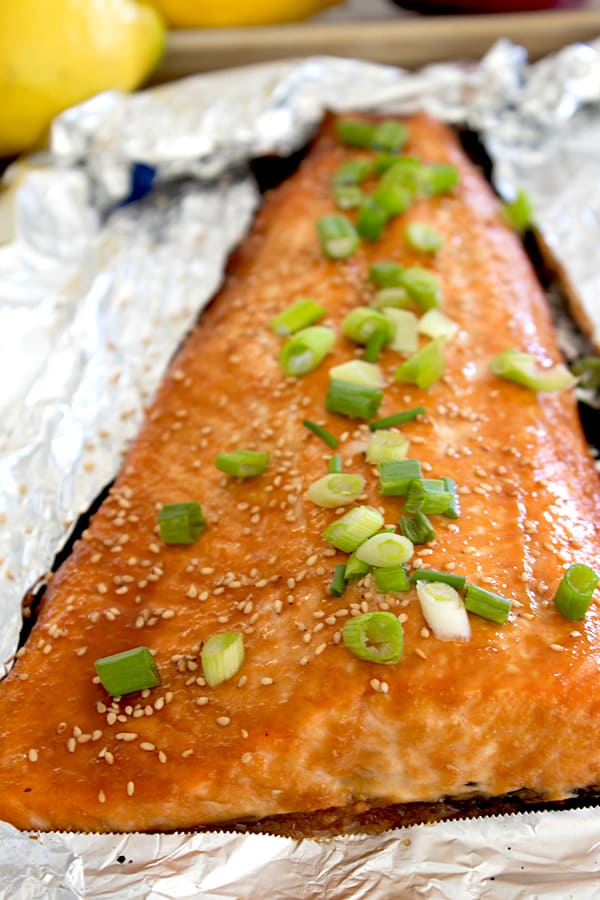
{"points": [[55, 54], [225, 13]]}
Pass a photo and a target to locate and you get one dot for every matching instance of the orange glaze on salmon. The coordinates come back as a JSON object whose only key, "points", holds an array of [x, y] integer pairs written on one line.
{"points": [[305, 725]]}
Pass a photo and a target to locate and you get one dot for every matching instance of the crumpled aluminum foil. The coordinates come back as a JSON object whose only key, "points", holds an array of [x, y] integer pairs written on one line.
{"points": [[96, 293]]}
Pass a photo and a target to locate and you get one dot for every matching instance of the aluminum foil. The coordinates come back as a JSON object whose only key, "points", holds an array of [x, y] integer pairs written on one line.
{"points": [[119, 237]]}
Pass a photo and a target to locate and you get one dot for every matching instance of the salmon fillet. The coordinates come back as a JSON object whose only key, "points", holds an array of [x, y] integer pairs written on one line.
{"points": [[305, 725]]}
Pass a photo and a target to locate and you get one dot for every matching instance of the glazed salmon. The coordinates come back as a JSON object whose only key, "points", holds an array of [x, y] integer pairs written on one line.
{"points": [[304, 724]]}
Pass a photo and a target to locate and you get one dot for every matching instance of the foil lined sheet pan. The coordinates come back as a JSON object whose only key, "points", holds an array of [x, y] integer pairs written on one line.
{"points": [[95, 294]]}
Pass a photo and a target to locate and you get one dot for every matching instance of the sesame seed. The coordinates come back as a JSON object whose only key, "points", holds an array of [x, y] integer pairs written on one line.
{"points": [[421, 653], [162, 757], [424, 632], [126, 736], [159, 703], [242, 681], [202, 701], [266, 680], [187, 753], [101, 797], [558, 647], [223, 720], [71, 745], [246, 758], [32, 755], [147, 745], [111, 718], [109, 758], [321, 648], [130, 788]]}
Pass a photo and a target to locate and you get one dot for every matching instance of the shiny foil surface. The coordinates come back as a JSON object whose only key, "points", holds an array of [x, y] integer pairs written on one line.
{"points": [[117, 239]]}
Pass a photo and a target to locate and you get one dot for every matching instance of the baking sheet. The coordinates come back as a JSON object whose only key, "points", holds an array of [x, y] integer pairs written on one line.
{"points": [[128, 254], [409, 42]]}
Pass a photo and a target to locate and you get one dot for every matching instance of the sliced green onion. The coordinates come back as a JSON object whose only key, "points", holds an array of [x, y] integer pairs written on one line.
{"points": [[399, 418], [300, 314], [575, 591], [360, 323], [383, 162], [355, 567], [486, 604], [458, 582], [391, 580], [522, 368], [393, 199], [520, 212], [390, 136], [386, 273], [128, 671], [422, 286], [435, 324], [375, 637], [423, 237], [444, 611], [336, 490], [329, 438], [353, 172], [405, 325], [355, 400], [358, 371], [429, 495], [386, 445], [371, 220], [439, 178], [406, 172], [392, 298], [242, 463], [396, 476], [335, 463], [385, 549], [348, 196], [338, 582], [375, 345], [418, 528], [355, 132], [306, 349], [338, 236], [181, 523], [453, 511], [353, 528], [425, 367], [222, 657]]}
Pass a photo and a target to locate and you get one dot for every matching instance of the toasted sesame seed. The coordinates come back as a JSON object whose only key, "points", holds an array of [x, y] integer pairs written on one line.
{"points": [[126, 736], [109, 758], [421, 653], [162, 757], [101, 797], [321, 648], [71, 745], [187, 753], [557, 647], [130, 788], [246, 758], [266, 680], [223, 720], [32, 755]]}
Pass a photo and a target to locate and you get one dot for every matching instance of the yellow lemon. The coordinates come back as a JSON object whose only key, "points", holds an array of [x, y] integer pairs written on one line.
{"points": [[55, 53], [225, 13]]}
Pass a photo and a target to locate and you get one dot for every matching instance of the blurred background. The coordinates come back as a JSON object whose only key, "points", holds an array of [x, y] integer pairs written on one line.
{"points": [[57, 53]]}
